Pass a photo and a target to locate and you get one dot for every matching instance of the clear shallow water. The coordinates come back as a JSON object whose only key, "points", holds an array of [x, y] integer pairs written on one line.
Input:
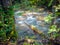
{"points": [[31, 19]]}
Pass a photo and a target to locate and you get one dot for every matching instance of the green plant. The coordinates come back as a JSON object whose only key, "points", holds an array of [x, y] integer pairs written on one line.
{"points": [[54, 31], [57, 8], [2, 36], [48, 18], [7, 26], [50, 3]]}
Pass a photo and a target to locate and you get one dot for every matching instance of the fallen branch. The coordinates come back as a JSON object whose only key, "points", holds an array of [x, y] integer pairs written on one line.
{"points": [[36, 31]]}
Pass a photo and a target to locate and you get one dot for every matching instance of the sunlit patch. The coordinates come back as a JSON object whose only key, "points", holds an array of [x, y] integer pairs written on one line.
{"points": [[20, 22]]}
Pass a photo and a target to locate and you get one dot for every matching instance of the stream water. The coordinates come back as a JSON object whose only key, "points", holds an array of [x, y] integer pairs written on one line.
{"points": [[31, 18]]}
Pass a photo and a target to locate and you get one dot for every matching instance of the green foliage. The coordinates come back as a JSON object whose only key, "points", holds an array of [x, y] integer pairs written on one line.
{"points": [[16, 6], [25, 43], [10, 10], [50, 3], [37, 3], [57, 10], [52, 29], [48, 18], [2, 35], [7, 25], [1, 23]]}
